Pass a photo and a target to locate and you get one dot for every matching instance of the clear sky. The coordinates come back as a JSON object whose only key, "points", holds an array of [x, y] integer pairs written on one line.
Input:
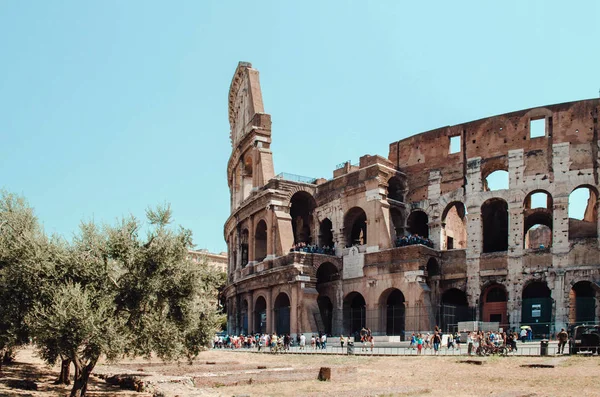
{"points": [[107, 107]]}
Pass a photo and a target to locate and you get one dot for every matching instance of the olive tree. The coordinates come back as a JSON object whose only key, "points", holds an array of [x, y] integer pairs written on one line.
{"points": [[116, 294]]}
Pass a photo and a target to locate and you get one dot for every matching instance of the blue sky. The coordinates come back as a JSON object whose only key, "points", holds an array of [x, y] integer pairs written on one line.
{"points": [[108, 107]]}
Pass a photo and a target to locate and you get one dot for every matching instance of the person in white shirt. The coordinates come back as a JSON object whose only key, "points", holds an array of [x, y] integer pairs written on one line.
{"points": [[302, 341], [324, 341]]}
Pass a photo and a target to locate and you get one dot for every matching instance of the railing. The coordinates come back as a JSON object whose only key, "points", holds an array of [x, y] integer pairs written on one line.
{"points": [[295, 178]]}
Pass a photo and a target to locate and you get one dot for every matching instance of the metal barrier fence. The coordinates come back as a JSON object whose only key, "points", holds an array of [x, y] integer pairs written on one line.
{"points": [[529, 349]]}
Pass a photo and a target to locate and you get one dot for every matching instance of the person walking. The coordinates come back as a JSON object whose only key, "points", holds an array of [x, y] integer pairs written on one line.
{"points": [[302, 342], [563, 336], [324, 342], [469, 343], [436, 342], [342, 340]]}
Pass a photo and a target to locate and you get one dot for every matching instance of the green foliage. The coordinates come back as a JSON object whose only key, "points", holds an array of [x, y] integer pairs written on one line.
{"points": [[107, 293]]}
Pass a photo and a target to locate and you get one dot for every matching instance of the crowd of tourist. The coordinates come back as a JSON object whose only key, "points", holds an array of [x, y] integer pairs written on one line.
{"points": [[413, 239], [270, 341], [313, 249]]}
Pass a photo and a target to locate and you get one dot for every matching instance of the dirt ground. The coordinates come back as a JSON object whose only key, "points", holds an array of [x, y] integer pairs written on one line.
{"points": [[226, 373]]}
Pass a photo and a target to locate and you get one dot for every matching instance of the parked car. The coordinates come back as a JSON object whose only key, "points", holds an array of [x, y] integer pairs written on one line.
{"points": [[585, 338]]}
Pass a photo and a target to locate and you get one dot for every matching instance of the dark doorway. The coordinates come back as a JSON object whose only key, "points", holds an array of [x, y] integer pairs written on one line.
{"points": [[395, 313], [354, 313], [417, 223], [494, 215], [583, 303], [454, 307], [325, 233], [355, 225], [282, 314], [536, 309], [260, 315]]}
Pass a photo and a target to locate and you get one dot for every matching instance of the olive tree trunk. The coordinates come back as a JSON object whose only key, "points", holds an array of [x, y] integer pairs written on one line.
{"points": [[82, 376], [65, 372]]}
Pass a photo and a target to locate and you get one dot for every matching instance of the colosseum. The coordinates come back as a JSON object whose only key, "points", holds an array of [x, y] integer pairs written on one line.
{"points": [[469, 222]]}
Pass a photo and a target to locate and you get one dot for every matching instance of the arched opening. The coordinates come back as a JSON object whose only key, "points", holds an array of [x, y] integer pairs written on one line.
{"points": [[301, 211], [326, 310], [494, 215], [394, 311], [583, 212], [281, 309], [538, 199], [244, 246], [397, 223], [582, 297], [433, 268], [326, 273], [246, 175], [538, 229], [244, 317], [493, 305], [395, 190], [260, 241], [454, 226], [536, 308], [418, 223], [497, 180], [326, 233], [454, 308], [355, 226], [260, 315], [355, 313]]}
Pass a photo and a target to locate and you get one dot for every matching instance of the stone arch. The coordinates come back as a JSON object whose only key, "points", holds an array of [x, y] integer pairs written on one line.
{"points": [[302, 205], [260, 314], [326, 233], [433, 268], [244, 310], [537, 227], [393, 311], [355, 226], [536, 307], [493, 304], [281, 311], [454, 307], [418, 223], [454, 226], [494, 218], [327, 272], [491, 166], [244, 238], [395, 189], [582, 303], [355, 313], [532, 202], [260, 241], [583, 213]]}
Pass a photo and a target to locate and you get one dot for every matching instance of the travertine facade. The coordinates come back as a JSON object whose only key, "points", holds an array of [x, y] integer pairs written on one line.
{"points": [[483, 264]]}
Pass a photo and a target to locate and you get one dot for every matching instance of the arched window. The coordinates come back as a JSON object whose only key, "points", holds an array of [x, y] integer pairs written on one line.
{"points": [[260, 241], [325, 233], [494, 216], [395, 190], [583, 212], [433, 268], [301, 211], [454, 223], [244, 246], [497, 180], [355, 226], [418, 223]]}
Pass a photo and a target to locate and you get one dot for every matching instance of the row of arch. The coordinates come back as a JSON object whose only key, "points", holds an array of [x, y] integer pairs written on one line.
{"points": [[536, 308], [537, 212]]}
